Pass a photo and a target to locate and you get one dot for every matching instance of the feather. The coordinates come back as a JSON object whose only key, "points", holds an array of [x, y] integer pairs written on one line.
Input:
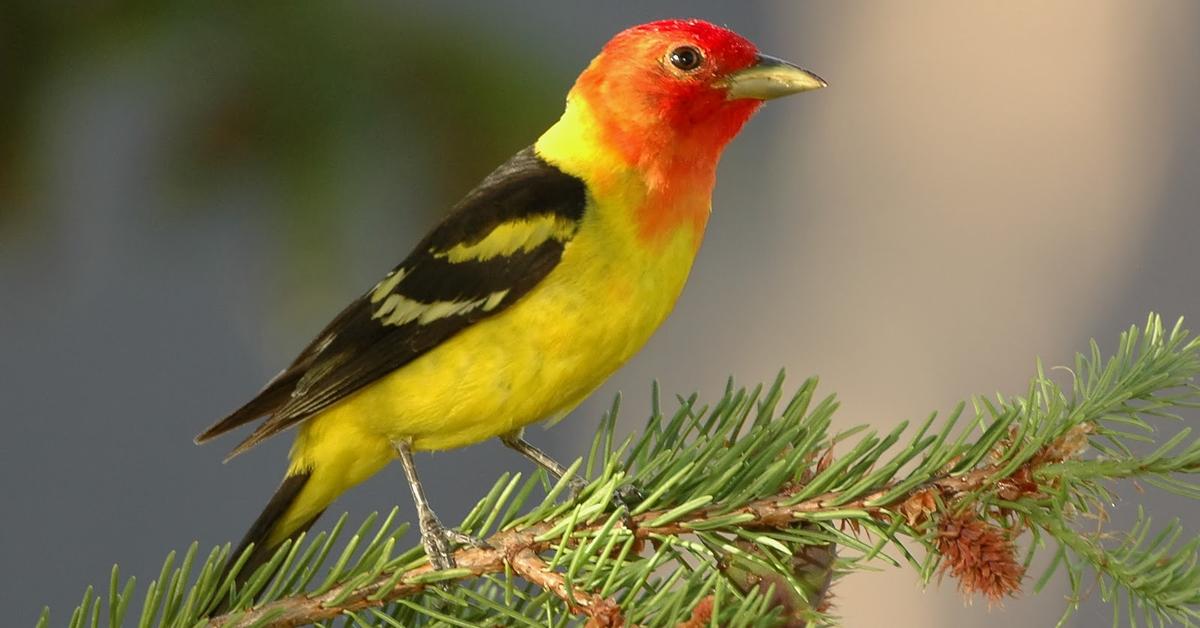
{"points": [[497, 244]]}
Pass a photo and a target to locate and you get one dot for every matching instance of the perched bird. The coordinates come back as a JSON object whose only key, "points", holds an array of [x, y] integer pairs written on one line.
{"points": [[538, 285]]}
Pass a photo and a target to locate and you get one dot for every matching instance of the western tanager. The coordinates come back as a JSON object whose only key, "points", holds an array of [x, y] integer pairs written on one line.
{"points": [[538, 285]]}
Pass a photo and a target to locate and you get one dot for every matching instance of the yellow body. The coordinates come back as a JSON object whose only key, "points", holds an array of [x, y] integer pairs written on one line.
{"points": [[536, 359]]}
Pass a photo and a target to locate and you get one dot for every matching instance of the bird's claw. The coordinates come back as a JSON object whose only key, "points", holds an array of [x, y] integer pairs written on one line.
{"points": [[437, 546], [439, 540], [463, 538], [626, 496]]}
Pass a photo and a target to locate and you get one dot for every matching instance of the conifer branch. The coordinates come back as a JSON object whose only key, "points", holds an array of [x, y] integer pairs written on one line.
{"points": [[752, 505], [520, 550]]}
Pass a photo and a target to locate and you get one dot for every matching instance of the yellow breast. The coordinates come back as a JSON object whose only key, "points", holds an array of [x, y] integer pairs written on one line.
{"points": [[538, 358]]}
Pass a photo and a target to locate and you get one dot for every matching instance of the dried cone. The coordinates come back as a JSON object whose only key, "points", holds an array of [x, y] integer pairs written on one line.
{"points": [[979, 555]]}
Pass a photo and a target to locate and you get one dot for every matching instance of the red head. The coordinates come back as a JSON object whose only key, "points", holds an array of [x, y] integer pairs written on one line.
{"points": [[678, 90], [660, 102]]}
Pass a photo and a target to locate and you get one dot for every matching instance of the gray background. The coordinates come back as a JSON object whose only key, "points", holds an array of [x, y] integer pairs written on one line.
{"points": [[982, 184]]}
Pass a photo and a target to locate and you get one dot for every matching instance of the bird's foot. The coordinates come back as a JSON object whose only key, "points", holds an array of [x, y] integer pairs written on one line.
{"points": [[463, 538], [439, 542], [626, 496], [437, 545]]}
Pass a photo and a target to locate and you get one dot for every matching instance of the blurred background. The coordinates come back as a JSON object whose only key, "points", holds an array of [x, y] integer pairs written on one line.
{"points": [[188, 191]]}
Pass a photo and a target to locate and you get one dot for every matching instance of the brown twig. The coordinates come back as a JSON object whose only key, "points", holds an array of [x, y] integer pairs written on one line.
{"points": [[520, 550], [600, 611]]}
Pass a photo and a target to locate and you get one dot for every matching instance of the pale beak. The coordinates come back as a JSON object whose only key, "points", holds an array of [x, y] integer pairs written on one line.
{"points": [[770, 78]]}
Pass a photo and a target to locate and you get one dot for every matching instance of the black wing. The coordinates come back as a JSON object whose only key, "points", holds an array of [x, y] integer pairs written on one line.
{"points": [[443, 287]]}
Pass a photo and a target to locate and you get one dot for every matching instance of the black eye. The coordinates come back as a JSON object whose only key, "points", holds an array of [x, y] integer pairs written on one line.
{"points": [[686, 58]]}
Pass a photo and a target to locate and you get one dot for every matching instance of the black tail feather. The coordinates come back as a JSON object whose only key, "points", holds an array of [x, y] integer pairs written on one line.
{"points": [[266, 402], [260, 531]]}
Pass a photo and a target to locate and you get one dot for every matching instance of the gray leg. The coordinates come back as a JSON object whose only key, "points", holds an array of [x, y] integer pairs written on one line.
{"points": [[516, 442], [434, 536], [627, 495]]}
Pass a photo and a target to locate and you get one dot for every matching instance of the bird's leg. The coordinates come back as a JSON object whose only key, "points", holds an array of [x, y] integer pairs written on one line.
{"points": [[434, 536], [515, 441], [625, 495]]}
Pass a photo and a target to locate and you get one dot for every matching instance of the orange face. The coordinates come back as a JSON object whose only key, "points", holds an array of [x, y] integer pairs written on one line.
{"points": [[660, 102], [659, 90]]}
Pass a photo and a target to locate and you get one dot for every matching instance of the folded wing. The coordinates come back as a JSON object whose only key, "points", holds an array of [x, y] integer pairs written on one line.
{"points": [[494, 247]]}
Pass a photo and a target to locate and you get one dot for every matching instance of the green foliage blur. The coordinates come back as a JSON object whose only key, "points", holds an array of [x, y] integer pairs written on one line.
{"points": [[277, 95]]}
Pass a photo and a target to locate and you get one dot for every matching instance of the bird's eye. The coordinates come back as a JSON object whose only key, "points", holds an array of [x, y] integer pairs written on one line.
{"points": [[686, 58]]}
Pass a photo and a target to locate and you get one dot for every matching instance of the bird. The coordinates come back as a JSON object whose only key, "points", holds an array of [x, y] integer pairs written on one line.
{"points": [[530, 292]]}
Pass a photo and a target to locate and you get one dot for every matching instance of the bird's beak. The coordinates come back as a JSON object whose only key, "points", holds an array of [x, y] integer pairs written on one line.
{"points": [[769, 78]]}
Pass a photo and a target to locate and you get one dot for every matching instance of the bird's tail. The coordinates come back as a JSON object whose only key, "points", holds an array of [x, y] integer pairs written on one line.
{"points": [[266, 533], [323, 467], [285, 517]]}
